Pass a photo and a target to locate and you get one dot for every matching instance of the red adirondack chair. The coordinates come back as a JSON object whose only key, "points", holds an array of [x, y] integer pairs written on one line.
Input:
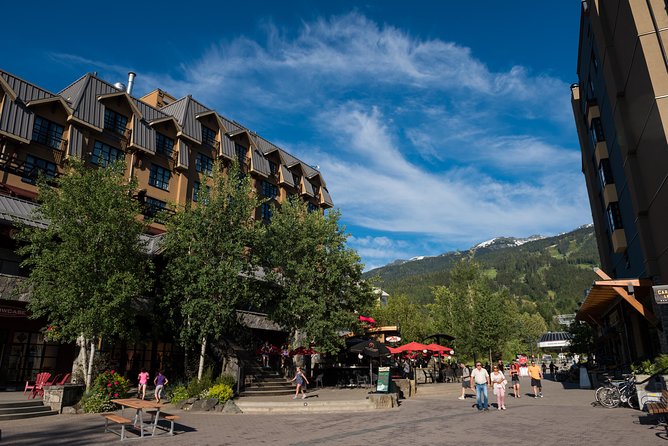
{"points": [[64, 379], [31, 386], [38, 388]]}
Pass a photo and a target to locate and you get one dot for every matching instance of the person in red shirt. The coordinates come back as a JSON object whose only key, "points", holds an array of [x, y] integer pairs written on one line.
{"points": [[515, 378]]}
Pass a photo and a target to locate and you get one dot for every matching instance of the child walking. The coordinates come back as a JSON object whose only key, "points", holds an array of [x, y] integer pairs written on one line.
{"points": [[300, 378], [160, 381], [143, 380]]}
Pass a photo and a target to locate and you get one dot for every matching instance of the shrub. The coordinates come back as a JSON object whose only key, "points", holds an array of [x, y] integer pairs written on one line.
{"points": [[227, 379], [107, 386], [222, 392], [111, 385], [197, 386], [178, 393], [94, 402]]}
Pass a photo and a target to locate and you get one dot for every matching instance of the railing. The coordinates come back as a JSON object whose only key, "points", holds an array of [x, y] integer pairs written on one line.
{"points": [[123, 139], [50, 140], [11, 164]]}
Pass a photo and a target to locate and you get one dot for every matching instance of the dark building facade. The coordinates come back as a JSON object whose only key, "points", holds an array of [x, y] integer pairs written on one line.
{"points": [[620, 105]]}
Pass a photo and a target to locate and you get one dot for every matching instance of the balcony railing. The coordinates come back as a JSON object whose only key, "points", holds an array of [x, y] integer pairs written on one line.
{"points": [[49, 139], [122, 139]]}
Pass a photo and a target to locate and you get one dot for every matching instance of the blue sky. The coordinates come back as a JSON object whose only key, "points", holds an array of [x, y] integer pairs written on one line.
{"points": [[436, 125]]}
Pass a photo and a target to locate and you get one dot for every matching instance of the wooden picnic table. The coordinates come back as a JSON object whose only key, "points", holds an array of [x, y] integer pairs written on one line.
{"points": [[140, 406]]}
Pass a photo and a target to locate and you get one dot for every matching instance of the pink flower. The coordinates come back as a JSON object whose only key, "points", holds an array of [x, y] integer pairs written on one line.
{"points": [[109, 385], [112, 372], [115, 383], [116, 395]]}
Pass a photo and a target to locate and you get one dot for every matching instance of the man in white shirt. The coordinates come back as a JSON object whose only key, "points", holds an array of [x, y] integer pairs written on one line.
{"points": [[480, 379]]}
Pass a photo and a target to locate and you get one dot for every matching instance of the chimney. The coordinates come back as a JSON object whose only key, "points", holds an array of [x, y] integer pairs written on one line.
{"points": [[131, 81]]}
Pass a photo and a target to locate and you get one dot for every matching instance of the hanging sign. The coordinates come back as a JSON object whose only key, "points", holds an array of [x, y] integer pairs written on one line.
{"points": [[660, 294]]}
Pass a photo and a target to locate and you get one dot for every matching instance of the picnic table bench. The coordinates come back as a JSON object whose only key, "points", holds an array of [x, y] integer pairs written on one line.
{"points": [[659, 407], [164, 416], [117, 419]]}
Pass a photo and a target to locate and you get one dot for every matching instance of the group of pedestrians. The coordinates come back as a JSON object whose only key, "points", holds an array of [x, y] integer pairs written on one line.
{"points": [[480, 380]]}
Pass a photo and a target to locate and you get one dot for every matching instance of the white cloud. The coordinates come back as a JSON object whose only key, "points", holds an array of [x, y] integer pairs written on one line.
{"points": [[413, 136]]}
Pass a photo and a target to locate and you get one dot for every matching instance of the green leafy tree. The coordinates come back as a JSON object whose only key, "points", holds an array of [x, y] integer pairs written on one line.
{"points": [[582, 338], [480, 319], [413, 319], [209, 261], [87, 268], [319, 279]]}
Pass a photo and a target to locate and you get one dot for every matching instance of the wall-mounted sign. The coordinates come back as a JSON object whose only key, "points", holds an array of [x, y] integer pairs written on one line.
{"points": [[393, 339], [6, 311], [660, 294]]}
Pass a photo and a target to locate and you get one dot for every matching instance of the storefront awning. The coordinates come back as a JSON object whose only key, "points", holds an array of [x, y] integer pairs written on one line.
{"points": [[604, 293]]}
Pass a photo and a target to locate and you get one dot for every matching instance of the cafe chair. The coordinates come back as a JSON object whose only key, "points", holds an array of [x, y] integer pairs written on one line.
{"points": [[318, 380]]}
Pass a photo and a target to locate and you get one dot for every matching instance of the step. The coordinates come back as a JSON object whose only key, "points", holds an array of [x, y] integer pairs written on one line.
{"points": [[251, 392], [23, 409], [270, 387], [301, 406], [24, 403], [20, 416]]}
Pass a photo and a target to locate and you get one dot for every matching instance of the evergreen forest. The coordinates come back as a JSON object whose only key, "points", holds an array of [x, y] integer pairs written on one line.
{"points": [[548, 276]]}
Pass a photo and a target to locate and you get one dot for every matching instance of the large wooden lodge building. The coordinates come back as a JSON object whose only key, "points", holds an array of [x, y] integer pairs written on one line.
{"points": [[168, 144]]}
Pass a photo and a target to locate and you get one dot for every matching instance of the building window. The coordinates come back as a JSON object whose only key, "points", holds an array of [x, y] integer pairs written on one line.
{"points": [[159, 177], [266, 212], [269, 190], [115, 121], [241, 155], [273, 168], [605, 173], [596, 131], [152, 206], [104, 154], [614, 216], [204, 164], [298, 180], [164, 145], [196, 189], [208, 137], [311, 207], [48, 133], [34, 167]]}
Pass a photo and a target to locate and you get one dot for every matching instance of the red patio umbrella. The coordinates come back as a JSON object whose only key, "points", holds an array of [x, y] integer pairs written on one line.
{"points": [[393, 350], [439, 348], [412, 346]]}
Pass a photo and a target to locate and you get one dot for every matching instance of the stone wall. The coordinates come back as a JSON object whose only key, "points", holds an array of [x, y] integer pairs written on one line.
{"points": [[61, 396]]}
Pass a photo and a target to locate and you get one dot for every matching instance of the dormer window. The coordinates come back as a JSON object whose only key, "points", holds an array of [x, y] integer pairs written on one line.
{"points": [[208, 137], [273, 168], [297, 179], [164, 145], [115, 121], [48, 133]]}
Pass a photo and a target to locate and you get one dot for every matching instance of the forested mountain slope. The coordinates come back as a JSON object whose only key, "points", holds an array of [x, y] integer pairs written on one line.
{"points": [[551, 272]]}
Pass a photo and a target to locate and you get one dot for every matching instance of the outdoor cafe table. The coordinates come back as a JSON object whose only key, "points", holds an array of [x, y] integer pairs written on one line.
{"points": [[140, 406]]}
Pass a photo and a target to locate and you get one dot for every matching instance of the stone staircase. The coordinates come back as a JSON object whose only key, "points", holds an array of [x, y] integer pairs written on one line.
{"points": [[16, 410], [265, 382]]}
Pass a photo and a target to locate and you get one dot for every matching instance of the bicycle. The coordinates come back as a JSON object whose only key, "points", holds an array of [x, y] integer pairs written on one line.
{"points": [[615, 393]]}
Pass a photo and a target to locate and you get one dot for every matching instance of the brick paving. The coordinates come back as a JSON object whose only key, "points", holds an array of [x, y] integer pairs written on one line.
{"points": [[434, 417]]}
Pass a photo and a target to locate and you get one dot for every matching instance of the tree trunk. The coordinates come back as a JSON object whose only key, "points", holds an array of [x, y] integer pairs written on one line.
{"points": [[202, 352], [89, 375]]}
